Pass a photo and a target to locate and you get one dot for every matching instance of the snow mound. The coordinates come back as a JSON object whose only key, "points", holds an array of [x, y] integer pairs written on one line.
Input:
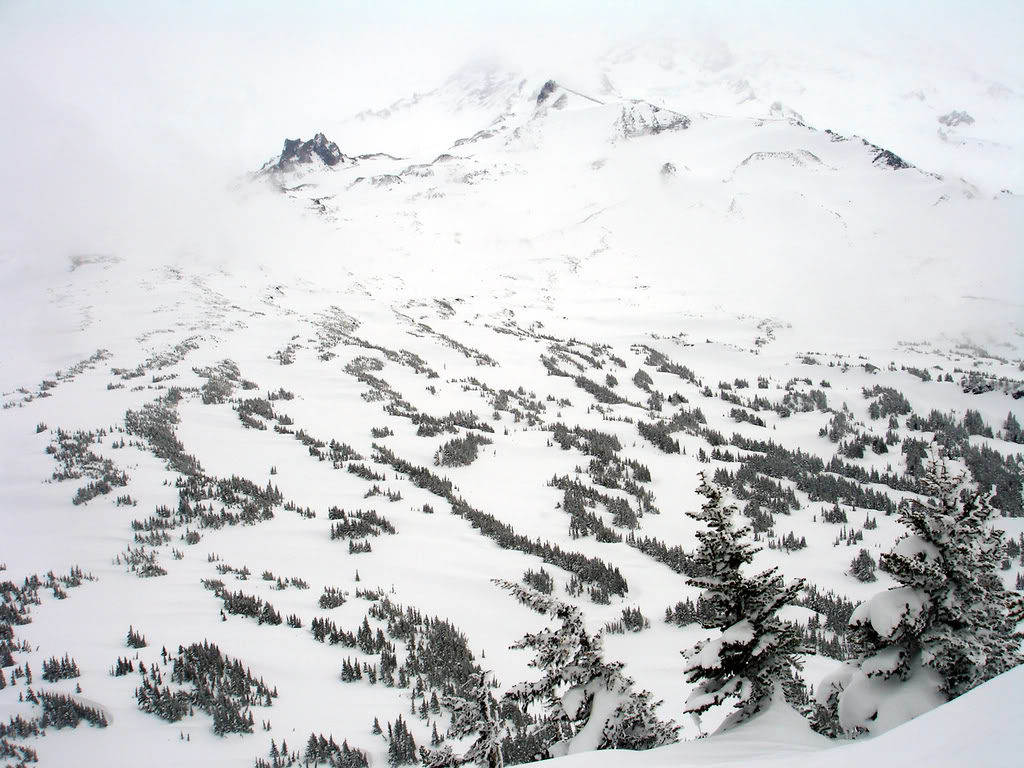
{"points": [[978, 729], [887, 609]]}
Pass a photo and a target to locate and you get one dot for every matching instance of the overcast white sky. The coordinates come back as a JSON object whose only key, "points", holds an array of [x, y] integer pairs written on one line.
{"points": [[129, 107]]}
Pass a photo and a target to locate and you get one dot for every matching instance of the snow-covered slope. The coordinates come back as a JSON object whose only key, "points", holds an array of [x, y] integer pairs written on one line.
{"points": [[711, 206], [909, 100], [226, 429], [976, 729]]}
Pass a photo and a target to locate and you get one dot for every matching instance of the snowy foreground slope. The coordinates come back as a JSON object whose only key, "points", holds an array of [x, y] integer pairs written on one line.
{"points": [[976, 729], [251, 442]]}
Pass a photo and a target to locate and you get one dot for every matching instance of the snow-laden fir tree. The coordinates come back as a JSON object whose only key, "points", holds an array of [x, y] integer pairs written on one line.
{"points": [[441, 757], [947, 627], [863, 566], [754, 654], [588, 703], [475, 714]]}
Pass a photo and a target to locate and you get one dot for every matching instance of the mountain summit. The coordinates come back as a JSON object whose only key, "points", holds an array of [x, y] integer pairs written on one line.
{"points": [[298, 152]]}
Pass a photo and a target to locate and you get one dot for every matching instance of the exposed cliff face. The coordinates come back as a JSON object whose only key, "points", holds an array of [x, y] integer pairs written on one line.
{"points": [[299, 152]]}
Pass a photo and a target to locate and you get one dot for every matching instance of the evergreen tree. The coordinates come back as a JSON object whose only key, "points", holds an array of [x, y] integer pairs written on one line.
{"points": [[134, 639], [949, 625], [588, 703], [755, 652], [863, 566], [975, 424], [476, 715], [401, 744], [439, 758], [635, 725], [1011, 429]]}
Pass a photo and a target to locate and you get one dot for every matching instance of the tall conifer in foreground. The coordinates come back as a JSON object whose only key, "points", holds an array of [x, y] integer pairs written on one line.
{"points": [[587, 702], [949, 626], [754, 653]]}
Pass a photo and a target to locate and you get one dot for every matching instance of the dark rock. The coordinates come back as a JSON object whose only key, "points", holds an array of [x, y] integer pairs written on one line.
{"points": [[546, 90], [890, 159], [299, 152]]}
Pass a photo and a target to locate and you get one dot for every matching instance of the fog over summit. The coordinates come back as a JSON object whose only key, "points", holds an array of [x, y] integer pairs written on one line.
{"points": [[126, 111]]}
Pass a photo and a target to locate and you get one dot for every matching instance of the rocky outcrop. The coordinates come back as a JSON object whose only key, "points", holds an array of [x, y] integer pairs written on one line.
{"points": [[643, 119], [385, 180], [891, 159], [297, 152], [883, 158], [545, 91]]}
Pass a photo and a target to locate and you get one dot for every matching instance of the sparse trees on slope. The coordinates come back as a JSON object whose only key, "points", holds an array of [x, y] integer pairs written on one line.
{"points": [[755, 652], [401, 744], [1011, 429], [949, 625], [135, 639], [588, 703]]}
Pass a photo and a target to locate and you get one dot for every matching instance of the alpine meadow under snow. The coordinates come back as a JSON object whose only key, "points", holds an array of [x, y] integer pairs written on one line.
{"points": [[650, 399]]}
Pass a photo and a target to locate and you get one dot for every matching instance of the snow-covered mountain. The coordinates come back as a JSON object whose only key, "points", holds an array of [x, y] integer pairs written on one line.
{"points": [[901, 101], [584, 183], [492, 332]]}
